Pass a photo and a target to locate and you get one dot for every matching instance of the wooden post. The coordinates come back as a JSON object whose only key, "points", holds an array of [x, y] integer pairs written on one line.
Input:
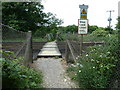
{"points": [[28, 51]]}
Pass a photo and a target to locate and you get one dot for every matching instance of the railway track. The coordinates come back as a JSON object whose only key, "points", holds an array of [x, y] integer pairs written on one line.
{"points": [[37, 46]]}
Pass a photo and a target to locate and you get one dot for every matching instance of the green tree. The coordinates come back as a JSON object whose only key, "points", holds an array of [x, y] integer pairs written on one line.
{"points": [[23, 16], [118, 28], [118, 24], [92, 28], [51, 25], [109, 29], [100, 32], [53, 22], [69, 28]]}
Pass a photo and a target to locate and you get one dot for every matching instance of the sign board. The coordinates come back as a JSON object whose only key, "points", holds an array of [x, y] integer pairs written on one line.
{"points": [[82, 26], [83, 14], [83, 11]]}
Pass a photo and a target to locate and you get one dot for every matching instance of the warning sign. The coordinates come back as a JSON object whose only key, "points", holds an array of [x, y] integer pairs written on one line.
{"points": [[82, 26], [83, 14]]}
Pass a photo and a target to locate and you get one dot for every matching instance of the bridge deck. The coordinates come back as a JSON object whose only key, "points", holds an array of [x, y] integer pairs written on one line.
{"points": [[50, 49]]}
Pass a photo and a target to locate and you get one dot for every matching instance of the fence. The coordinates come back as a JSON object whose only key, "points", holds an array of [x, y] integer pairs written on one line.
{"points": [[73, 45], [18, 42], [72, 48]]}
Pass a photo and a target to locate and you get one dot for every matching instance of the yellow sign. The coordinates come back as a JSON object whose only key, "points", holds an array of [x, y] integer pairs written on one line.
{"points": [[83, 14]]}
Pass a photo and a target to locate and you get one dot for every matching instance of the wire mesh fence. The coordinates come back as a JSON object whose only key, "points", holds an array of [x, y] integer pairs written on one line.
{"points": [[72, 47], [16, 41], [79, 44], [13, 40]]}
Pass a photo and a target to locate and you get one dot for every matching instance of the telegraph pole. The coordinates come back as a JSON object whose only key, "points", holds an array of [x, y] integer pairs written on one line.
{"points": [[110, 19]]}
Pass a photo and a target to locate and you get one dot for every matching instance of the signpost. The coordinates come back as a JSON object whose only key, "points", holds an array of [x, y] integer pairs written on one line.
{"points": [[82, 24]]}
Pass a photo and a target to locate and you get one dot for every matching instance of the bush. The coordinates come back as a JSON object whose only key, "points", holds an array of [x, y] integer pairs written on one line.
{"points": [[100, 66], [96, 68], [15, 75], [100, 32]]}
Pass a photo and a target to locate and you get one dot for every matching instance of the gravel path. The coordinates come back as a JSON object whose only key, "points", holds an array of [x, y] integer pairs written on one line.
{"points": [[54, 73]]}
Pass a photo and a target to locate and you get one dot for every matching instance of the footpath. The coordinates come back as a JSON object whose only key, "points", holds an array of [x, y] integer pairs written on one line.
{"points": [[54, 75]]}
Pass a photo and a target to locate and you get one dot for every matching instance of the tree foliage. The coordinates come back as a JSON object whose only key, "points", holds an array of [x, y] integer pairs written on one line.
{"points": [[118, 28], [74, 28], [118, 24], [109, 29], [92, 28], [100, 32], [25, 16], [69, 28]]}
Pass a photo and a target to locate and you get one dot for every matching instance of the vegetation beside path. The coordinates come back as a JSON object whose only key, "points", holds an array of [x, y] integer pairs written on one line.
{"points": [[16, 75], [99, 67]]}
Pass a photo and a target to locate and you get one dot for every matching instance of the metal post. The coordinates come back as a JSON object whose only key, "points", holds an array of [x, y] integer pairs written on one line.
{"points": [[81, 45], [28, 51], [66, 52], [83, 15], [110, 19]]}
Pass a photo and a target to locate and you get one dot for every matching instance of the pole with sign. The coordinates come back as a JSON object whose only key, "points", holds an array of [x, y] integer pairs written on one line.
{"points": [[82, 24]]}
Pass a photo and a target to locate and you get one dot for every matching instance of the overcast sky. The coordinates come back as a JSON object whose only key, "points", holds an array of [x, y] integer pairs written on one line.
{"points": [[69, 11]]}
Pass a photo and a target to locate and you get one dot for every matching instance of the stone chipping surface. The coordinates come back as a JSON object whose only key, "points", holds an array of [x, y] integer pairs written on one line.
{"points": [[54, 75]]}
